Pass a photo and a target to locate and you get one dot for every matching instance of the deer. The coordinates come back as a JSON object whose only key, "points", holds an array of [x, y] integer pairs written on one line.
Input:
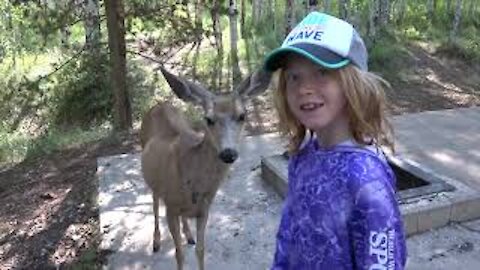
{"points": [[184, 167]]}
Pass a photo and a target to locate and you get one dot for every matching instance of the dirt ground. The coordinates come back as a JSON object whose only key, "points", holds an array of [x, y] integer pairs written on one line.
{"points": [[49, 216]]}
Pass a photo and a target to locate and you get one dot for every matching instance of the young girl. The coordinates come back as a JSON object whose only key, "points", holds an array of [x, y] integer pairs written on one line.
{"points": [[341, 211]]}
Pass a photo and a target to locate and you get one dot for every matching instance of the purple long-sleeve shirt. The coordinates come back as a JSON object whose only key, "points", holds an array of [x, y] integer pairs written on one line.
{"points": [[340, 212]]}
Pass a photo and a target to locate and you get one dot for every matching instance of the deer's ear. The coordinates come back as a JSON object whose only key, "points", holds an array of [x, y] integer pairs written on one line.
{"points": [[186, 90], [255, 84]]}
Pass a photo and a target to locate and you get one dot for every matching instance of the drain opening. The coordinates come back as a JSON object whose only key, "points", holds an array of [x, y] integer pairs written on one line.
{"points": [[406, 180], [412, 179]]}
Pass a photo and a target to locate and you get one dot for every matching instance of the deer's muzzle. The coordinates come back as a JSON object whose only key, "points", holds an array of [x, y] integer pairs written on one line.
{"points": [[228, 155]]}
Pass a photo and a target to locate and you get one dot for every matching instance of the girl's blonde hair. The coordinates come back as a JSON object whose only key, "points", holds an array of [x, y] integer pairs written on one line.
{"points": [[366, 108]]}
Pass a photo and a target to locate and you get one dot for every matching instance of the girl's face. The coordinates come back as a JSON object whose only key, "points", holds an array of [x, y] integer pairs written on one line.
{"points": [[314, 97]]}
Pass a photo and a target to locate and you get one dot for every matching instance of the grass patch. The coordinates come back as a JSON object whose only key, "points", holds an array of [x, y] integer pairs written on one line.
{"points": [[15, 147], [88, 261], [388, 56], [467, 51]]}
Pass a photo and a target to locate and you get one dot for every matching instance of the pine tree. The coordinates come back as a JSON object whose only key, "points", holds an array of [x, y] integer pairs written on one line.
{"points": [[236, 73], [114, 10]]}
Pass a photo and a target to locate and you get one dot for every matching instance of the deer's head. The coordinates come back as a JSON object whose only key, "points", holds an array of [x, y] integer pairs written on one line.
{"points": [[224, 113]]}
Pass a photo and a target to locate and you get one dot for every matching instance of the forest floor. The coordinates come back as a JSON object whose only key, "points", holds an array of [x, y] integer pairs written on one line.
{"points": [[49, 214]]}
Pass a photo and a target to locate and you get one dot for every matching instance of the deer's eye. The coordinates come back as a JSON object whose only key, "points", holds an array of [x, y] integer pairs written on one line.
{"points": [[241, 117], [209, 121]]}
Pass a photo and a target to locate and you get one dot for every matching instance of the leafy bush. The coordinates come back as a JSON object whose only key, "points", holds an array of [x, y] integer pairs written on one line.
{"points": [[466, 50], [82, 94], [388, 56], [16, 146]]}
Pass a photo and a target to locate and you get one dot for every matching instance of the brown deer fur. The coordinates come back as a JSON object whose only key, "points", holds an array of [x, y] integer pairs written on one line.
{"points": [[183, 167]]}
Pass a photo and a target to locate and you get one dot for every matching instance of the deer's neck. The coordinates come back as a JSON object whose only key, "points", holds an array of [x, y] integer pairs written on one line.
{"points": [[202, 171], [210, 153]]}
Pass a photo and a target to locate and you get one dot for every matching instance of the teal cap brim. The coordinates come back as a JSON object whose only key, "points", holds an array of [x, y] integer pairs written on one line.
{"points": [[275, 59]]}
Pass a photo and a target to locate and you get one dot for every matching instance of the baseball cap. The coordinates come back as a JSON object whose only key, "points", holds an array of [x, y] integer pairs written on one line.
{"points": [[326, 40]]}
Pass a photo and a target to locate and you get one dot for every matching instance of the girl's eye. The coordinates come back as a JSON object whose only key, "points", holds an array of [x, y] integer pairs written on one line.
{"points": [[209, 121], [322, 71], [292, 77]]}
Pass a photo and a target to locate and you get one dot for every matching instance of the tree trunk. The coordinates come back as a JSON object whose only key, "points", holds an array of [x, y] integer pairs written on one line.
{"points": [[384, 12], [257, 8], [198, 35], [372, 14], [116, 42], [92, 26], [269, 10], [312, 5], [92, 39], [430, 9], [401, 11], [289, 15], [254, 11], [343, 6], [456, 20], [326, 6], [471, 9], [449, 7], [236, 73], [242, 18], [260, 8], [354, 17], [217, 33], [65, 36], [273, 15], [198, 19]]}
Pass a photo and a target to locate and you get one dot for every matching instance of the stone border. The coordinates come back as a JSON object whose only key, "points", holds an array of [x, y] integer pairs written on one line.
{"points": [[420, 213]]}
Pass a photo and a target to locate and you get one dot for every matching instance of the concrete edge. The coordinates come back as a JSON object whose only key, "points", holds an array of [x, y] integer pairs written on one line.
{"points": [[269, 172], [417, 219]]}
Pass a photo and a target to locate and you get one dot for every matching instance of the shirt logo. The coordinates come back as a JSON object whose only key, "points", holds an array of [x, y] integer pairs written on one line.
{"points": [[382, 249]]}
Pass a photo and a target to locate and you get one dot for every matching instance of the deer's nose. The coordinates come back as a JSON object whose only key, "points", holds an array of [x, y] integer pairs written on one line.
{"points": [[228, 155]]}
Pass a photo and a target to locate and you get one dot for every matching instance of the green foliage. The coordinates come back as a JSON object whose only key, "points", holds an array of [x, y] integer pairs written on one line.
{"points": [[463, 49], [388, 56], [13, 147], [23, 95], [267, 34], [416, 18], [16, 146], [143, 84], [88, 261], [82, 94], [78, 95], [412, 33]]}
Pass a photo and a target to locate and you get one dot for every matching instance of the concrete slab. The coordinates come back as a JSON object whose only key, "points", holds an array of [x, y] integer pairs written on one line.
{"points": [[452, 247], [240, 231], [447, 142], [245, 215]]}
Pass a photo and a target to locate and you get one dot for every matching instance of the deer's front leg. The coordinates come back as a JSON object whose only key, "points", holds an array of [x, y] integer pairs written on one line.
{"points": [[174, 227], [156, 231], [200, 248], [187, 232]]}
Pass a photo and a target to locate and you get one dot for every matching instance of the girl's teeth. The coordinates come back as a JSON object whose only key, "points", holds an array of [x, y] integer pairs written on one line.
{"points": [[309, 106]]}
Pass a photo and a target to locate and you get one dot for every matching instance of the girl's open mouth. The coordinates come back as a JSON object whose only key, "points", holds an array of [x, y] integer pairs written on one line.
{"points": [[310, 106]]}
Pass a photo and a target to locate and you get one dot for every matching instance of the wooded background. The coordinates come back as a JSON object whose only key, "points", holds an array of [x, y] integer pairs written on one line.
{"points": [[78, 69]]}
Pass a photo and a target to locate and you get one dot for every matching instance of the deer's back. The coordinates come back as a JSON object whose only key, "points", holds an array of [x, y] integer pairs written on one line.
{"points": [[163, 121]]}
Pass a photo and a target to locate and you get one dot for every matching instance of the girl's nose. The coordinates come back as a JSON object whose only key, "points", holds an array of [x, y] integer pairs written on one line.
{"points": [[306, 88]]}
